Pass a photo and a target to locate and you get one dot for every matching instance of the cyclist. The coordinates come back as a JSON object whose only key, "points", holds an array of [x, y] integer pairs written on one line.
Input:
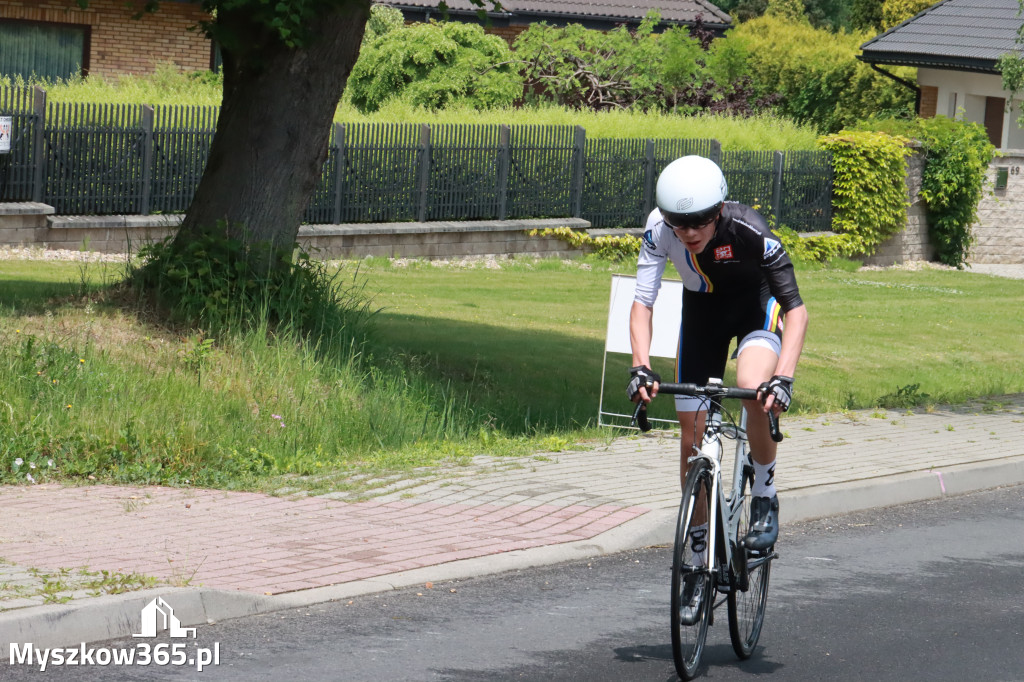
{"points": [[738, 283]]}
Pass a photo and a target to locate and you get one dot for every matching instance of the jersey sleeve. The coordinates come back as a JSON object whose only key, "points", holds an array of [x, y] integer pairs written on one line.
{"points": [[776, 265], [650, 264]]}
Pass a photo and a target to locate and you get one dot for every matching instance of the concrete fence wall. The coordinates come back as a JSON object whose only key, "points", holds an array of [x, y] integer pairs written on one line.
{"points": [[999, 233], [33, 224]]}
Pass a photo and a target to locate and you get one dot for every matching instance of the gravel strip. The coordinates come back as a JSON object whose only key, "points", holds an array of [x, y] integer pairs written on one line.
{"points": [[39, 253]]}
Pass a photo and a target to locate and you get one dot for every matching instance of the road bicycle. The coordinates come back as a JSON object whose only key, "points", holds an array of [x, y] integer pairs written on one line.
{"points": [[721, 567]]}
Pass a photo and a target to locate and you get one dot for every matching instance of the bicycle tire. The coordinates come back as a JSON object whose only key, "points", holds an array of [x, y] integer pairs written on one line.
{"points": [[747, 607], [688, 640]]}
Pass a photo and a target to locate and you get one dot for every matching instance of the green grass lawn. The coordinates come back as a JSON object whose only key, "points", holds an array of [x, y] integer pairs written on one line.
{"points": [[462, 361]]}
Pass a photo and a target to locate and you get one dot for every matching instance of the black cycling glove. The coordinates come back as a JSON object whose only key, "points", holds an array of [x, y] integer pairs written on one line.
{"points": [[781, 387], [640, 376]]}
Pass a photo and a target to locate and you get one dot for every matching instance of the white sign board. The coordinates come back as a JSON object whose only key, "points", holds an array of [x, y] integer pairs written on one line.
{"points": [[668, 312], [6, 133]]}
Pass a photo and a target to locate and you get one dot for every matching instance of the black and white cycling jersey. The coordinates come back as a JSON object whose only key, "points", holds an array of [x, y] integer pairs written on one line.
{"points": [[743, 255], [738, 287]]}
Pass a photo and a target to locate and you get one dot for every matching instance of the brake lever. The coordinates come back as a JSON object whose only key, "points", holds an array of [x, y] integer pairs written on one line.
{"points": [[773, 427], [640, 417]]}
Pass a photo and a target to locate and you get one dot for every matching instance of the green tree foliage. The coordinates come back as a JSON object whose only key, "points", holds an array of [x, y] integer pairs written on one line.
{"points": [[866, 15], [383, 19], [435, 65], [1011, 66], [787, 10], [817, 75], [588, 69], [895, 12], [833, 15]]}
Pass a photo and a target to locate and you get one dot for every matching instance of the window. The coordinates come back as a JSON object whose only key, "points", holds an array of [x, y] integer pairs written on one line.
{"points": [[44, 50]]}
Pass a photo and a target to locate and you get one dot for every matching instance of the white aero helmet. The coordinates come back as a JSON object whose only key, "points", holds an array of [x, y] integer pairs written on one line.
{"points": [[690, 191]]}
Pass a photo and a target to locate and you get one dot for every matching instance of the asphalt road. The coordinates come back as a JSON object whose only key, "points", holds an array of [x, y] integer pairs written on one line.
{"points": [[930, 591]]}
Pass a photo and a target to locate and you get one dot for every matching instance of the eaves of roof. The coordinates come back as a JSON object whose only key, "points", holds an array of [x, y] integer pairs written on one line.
{"points": [[962, 35]]}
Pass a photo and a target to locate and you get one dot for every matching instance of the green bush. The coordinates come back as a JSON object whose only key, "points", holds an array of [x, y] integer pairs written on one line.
{"points": [[869, 191], [817, 75], [434, 66], [957, 155], [589, 69]]}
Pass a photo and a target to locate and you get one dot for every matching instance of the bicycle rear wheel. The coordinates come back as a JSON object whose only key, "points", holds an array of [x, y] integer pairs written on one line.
{"points": [[694, 510], [746, 607]]}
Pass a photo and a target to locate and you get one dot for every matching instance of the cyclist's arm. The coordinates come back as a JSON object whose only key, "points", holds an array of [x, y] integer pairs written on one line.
{"points": [[641, 331], [649, 270], [792, 346]]}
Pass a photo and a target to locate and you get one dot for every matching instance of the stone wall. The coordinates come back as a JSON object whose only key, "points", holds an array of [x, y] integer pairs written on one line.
{"points": [[31, 224], [1000, 229], [911, 244]]}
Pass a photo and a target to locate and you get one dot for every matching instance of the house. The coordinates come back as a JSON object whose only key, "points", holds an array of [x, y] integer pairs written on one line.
{"points": [[517, 15], [58, 39], [955, 45]]}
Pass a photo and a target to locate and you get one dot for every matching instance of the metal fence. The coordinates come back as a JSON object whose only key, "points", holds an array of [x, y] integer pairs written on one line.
{"points": [[120, 159]]}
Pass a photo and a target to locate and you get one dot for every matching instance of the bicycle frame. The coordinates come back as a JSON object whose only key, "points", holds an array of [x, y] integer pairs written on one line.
{"points": [[723, 525]]}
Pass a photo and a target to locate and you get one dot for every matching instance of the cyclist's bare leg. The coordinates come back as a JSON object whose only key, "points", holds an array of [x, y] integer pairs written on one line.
{"points": [[687, 422], [755, 365]]}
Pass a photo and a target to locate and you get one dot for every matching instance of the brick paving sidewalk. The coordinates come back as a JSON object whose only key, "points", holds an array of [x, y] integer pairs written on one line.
{"points": [[262, 544]]}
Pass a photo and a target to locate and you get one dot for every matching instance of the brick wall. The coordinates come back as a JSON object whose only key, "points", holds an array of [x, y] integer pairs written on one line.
{"points": [[508, 33], [120, 44]]}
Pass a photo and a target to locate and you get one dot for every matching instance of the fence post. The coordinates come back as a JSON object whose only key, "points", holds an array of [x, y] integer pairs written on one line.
{"points": [[145, 202], [423, 181], [648, 192], [38, 146], [777, 165], [504, 164], [339, 171], [579, 145], [716, 152]]}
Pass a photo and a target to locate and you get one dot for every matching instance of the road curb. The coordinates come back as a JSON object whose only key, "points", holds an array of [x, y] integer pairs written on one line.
{"points": [[115, 616], [841, 498]]}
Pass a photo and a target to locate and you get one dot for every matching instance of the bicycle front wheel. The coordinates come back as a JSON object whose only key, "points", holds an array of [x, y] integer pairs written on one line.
{"points": [[746, 607], [690, 573]]}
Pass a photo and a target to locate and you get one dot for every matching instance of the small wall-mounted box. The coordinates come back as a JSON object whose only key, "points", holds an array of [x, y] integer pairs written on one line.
{"points": [[1002, 176]]}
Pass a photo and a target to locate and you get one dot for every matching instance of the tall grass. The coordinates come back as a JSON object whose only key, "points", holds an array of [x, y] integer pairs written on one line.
{"points": [[168, 86], [763, 132], [460, 361]]}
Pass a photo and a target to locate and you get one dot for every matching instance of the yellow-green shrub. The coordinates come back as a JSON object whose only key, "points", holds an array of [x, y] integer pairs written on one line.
{"points": [[817, 74], [869, 201]]}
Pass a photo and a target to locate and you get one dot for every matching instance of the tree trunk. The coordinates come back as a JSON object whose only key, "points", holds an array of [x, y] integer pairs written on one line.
{"points": [[274, 127]]}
